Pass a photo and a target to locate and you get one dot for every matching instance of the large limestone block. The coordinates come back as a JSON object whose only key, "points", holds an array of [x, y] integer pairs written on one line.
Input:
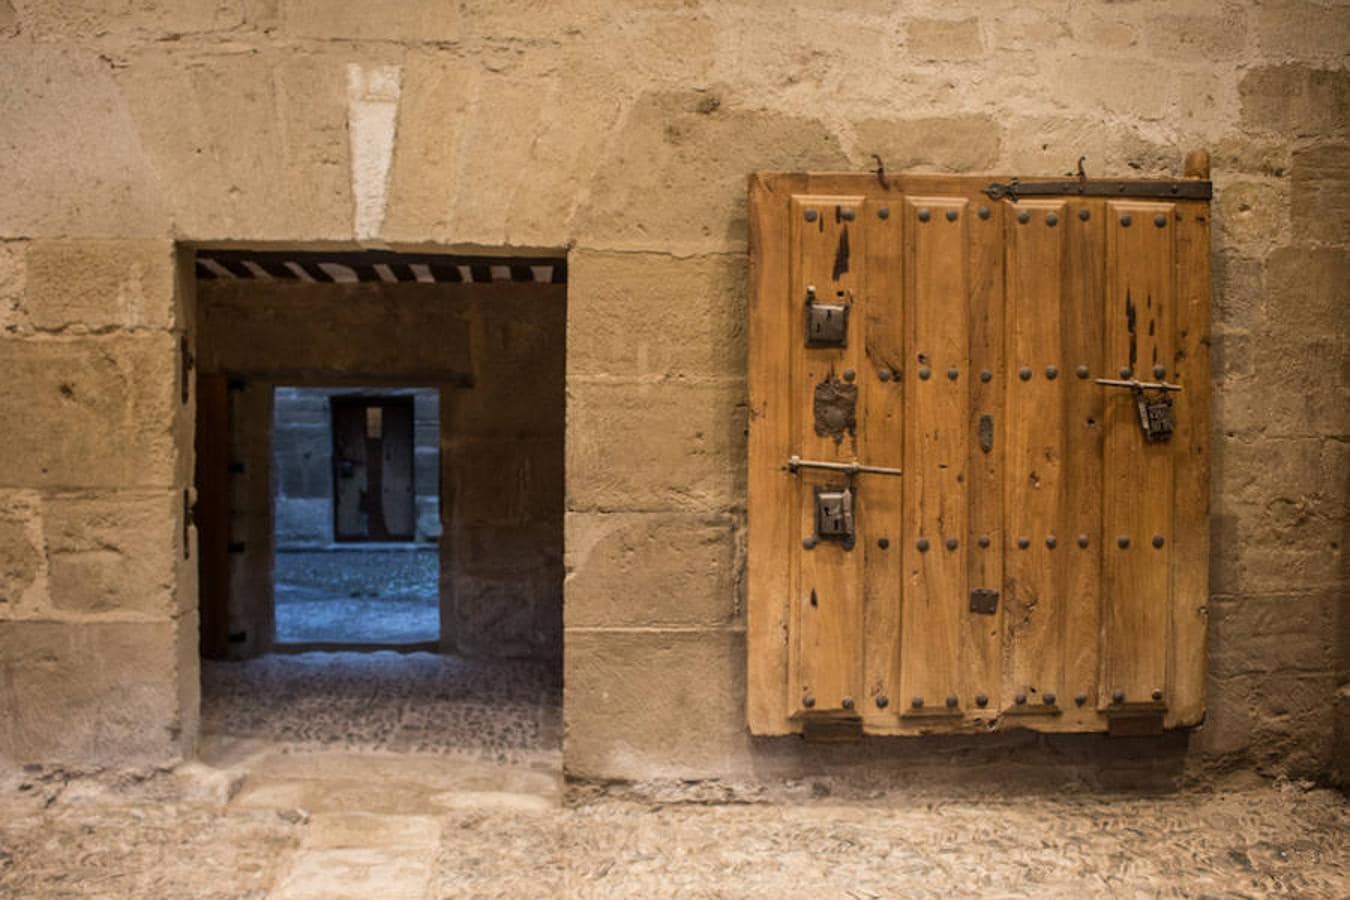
{"points": [[20, 551], [1296, 100], [98, 285], [649, 314], [114, 552], [673, 177], [1303, 29], [1320, 205], [99, 18], [1273, 633], [406, 21], [962, 143], [93, 694], [655, 446], [90, 412], [935, 40], [254, 145], [654, 704], [652, 570], [72, 150]]}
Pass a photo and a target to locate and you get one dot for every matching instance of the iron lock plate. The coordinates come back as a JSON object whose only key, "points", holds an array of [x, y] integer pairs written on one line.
{"points": [[834, 515], [1155, 417], [826, 323]]}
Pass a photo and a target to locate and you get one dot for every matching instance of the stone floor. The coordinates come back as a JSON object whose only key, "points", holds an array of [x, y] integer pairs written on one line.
{"points": [[502, 711], [341, 595], [338, 825], [380, 775]]}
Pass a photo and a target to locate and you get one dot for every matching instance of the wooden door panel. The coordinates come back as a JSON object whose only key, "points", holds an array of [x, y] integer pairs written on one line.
{"points": [[986, 587], [1139, 317], [397, 495], [828, 599], [881, 422], [982, 648], [349, 465], [936, 454], [1035, 481]]}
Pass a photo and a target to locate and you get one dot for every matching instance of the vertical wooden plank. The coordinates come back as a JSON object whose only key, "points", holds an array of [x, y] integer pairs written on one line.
{"points": [[1081, 326], [1035, 392], [212, 513], [936, 446], [771, 507], [883, 441], [349, 469], [982, 634], [397, 499], [1190, 458], [1139, 315], [828, 252]]}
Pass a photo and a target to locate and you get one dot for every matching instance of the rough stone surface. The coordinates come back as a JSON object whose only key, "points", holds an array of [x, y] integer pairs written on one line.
{"points": [[114, 553], [93, 693], [96, 412], [407, 826], [623, 134]]}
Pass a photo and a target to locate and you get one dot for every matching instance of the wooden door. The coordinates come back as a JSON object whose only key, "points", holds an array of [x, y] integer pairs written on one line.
{"points": [[373, 495], [966, 509], [212, 513]]}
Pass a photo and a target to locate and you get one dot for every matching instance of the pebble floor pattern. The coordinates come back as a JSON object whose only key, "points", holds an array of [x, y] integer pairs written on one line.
{"points": [[68, 840], [503, 711]]}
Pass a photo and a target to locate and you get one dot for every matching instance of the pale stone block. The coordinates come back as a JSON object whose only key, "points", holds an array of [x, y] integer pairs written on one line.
{"points": [[92, 694], [943, 39], [960, 143], [1303, 29], [254, 144], [154, 20], [90, 412], [97, 285], [21, 564], [653, 315], [70, 133], [654, 704], [655, 446], [406, 21], [1272, 633], [1197, 38], [114, 552], [652, 569], [674, 177], [1296, 101]]}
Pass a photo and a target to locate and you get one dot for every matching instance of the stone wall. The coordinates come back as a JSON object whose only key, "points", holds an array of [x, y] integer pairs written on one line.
{"points": [[625, 132]]}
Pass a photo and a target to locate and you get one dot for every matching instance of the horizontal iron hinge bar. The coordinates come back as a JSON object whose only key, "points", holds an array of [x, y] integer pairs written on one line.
{"points": [[796, 462], [1189, 189], [1139, 385]]}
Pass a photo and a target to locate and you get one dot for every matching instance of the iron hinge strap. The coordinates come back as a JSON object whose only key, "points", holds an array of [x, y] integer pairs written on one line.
{"points": [[1188, 189]]}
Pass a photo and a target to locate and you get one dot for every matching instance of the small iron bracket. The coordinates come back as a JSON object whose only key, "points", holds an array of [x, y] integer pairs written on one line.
{"points": [[1014, 189]]}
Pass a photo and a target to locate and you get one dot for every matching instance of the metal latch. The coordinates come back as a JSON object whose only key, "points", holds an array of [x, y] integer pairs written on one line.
{"points": [[834, 515], [1155, 410], [796, 462], [826, 323]]}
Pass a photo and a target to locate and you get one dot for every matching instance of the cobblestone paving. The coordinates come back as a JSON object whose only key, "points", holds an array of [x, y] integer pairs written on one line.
{"points": [[505, 711]]}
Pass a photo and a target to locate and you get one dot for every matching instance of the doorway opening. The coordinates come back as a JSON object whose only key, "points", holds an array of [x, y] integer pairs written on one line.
{"points": [[356, 517], [379, 504]]}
